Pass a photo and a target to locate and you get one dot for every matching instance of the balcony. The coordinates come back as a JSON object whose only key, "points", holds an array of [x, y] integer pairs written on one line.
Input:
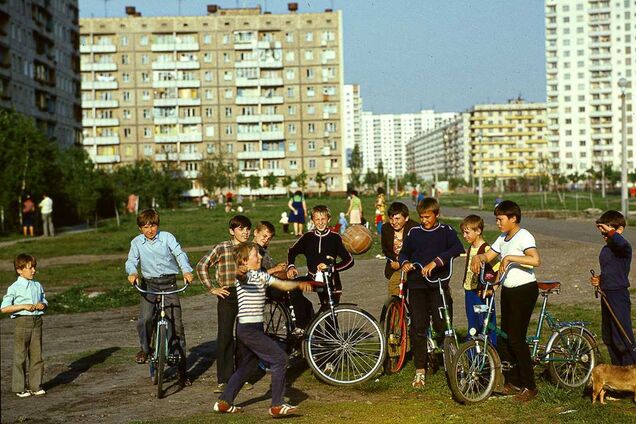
{"points": [[174, 101], [191, 174], [175, 46], [191, 156], [245, 45], [272, 100], [100, 122], [263, 172], [100, 140], [272, 135], [162, 157], [251, 119], [247, 82], [271, 63], [165, 120], [99, 85], [265, 154], [98, 48], [177, 84], [166, 138], [246, 64], [190, 120], [325, 151], [98, 67], [179, 64], [271, 82], [255, 136], [100, 104], [601, 113], [190, 137], [106, 159]]}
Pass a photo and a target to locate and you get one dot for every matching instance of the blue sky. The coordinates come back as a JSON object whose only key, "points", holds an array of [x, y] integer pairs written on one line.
{"points": [[409, 55]]}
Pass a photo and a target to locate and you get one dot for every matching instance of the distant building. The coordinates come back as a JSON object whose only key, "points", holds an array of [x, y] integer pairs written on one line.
{"points": [[590, 45], [39, 65], [263, 90], [352, 119]]}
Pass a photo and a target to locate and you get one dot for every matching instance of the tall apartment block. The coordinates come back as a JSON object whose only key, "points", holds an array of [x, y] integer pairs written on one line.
{"points": [[262, 90], [590, 46], [384, 137], [39, 64], [352, 118]]}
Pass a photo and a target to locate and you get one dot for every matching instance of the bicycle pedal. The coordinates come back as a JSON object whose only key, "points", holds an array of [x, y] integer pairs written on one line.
{"points": [[506, 366]]}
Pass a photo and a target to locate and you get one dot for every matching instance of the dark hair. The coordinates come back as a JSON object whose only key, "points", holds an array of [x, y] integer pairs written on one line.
{"points": [[240, 221], [508, 208], [147, 216], [266, 225], [473, 222], [398, 208], [380, 190], [22, 260], [614, 219], [428, 204], [354, 192], [320, 209], [298, 193], [242, 251]]}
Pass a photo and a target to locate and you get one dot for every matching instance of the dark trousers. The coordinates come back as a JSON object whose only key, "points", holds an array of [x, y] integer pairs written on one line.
{"points": [[27, 346], [146, 322], [517, 305], [256, 345], [226, 315], [620, 349], [425, 304], [303, 308]]}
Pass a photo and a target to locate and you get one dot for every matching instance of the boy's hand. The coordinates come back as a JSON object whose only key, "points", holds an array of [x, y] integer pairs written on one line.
{"points": [[505, 262], [321, 266], [187, 277], [40, 306], [426, 271], [395, 265], [305, 286], [221, 292], [476, 263], [595, 280], [133, 279], [407, 266], [292, 273], [280, 267], [29, 307], [604, 228]]}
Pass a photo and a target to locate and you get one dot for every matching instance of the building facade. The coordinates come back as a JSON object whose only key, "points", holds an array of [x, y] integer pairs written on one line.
{"points": [[590, 46], [352, 117], [39, 65], [264, 91]]}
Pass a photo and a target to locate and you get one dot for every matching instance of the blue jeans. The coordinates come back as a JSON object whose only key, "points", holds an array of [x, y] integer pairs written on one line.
{"points": [[256, 345], [476, 320]]}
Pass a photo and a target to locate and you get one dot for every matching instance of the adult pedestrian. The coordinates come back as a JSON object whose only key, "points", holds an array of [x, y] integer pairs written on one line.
{"points": [[46, 210], [28, 216], [298, 209], [355, 208]]}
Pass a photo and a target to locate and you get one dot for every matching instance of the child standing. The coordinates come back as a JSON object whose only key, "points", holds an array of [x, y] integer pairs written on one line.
{"points": [[615, 260], [472, 229], [223, 287], [26, 303], [519, 256], [160, 256], [249, 331], [433, 245], [392, 238]]}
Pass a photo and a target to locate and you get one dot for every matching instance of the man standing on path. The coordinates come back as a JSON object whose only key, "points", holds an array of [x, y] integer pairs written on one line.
{"points": [[46, 209]]}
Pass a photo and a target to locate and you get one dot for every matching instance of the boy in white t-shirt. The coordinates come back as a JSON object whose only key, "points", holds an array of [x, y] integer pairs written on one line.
{"points": [[518, 253]]}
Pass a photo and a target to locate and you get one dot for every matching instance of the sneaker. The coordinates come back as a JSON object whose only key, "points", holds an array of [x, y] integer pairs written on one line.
{"points": [[510, 389], [142, 357], [419, 381], [526, 395], [298, 332], [220, 388], [281, 410], [223, 407], [23, 394], [38, 392]]}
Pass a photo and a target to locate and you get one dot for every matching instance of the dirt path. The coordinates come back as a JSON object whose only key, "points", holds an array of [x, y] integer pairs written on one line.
{"points": [[91, 376]]}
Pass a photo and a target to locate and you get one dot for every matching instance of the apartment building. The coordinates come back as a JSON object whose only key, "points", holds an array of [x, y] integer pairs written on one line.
{"points": [[39, 64], [590, 46], [263, 90], [384, 137], [352, 119]]}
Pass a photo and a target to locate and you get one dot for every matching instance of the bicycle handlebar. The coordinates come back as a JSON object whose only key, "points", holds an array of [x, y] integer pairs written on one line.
{"points": [[440, 279], [162, 293]]}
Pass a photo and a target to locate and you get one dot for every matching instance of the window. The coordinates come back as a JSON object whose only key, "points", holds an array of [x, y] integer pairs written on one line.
{"points": [[207, 58], [126, 132], [311, 92], [148, 150], [309, 55], [334, 163], [291, 110], [147, 132], [228, 111], [291, 128], [229, 148], [227, 76], [209, 94], [291, 146], [144, 59], [312, 163], [311, 145], [123, 40], [226, 57], [207, 75], [126, 96], [145, 95], [290, 92], [126, 113], [289, 37], [228, 93], [290, 73], [310, 73], [293, 164], [225, 39], [209, 132], [309, 36], [145, 77], [146, 113], [228, 129], [207, 39], [125, 77], [143, 40], [311, 127], [290, 56], [124, 59]]}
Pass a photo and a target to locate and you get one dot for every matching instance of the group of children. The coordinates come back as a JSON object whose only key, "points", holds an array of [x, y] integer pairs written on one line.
{"points": [[244, 273]]}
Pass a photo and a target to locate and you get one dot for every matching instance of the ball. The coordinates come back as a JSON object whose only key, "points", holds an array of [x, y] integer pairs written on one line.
{"points": [[357, 239]]}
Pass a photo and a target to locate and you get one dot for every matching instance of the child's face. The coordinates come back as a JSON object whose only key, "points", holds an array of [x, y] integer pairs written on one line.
{"points": [[263, 237], [471, 234], [397, 221], [27, 272], [320, 220], [149, 230], [240, 234], [506, 224], [428, 219], [254, 259]]}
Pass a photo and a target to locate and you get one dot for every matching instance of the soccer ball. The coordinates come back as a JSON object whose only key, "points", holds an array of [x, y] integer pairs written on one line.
{"points": [[357, 239]]}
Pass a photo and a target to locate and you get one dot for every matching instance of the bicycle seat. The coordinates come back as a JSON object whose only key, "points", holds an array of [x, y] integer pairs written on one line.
{"points": [[549, 286]]}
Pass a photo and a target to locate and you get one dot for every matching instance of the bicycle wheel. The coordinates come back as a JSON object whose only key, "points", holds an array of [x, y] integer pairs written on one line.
{"points": [[473, 372], [347, 350], [396, 335], [449, 352], [161, 360], [571, 358]]}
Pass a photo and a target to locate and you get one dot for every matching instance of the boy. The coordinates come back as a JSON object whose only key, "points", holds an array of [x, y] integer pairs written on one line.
{"points": [[161, 257], [519, 256], [255, 344], [26, 303], [223, 287], [433, 245], [317, 245], [615, 260], [472, 229], [391, 240]]}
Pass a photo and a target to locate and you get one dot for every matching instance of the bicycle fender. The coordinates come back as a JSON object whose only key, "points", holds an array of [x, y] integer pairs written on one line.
{"points": [[575, 328]]}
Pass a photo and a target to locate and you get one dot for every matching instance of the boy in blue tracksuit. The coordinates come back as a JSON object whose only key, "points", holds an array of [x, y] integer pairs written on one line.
{"points": [[433, 245], [615, 260]]}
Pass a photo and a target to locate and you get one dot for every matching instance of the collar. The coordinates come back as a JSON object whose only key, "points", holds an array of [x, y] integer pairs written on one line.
{"points": [[23, 280], [156, 237], [323, 233], [431, 229]]}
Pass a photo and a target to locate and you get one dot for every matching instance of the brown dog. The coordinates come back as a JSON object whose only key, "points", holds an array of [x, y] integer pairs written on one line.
{"points": [[612, 377]]}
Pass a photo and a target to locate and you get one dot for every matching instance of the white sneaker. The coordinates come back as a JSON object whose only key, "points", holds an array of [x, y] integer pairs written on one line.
{"points": [[329, 368], [23, 394], [39, 392]]}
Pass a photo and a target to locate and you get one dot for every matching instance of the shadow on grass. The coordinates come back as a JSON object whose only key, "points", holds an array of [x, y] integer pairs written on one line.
{"points": [[77, 368]]}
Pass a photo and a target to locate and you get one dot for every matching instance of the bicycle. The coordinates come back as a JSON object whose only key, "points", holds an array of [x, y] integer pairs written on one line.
{"points": [[343, 343], [569, 354], [161, 355]]}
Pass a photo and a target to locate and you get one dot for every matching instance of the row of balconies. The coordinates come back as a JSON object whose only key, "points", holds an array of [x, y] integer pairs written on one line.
{"points": [[162, 157], [98, 48], [262, 172], [175, 46], [175, 101], [253, 119], [263, 135], [176, 84], [271, 100], [169, 120], [180, 137], [178, 64], [266, 63], [98, 67], [89, 104], [256, 82]]}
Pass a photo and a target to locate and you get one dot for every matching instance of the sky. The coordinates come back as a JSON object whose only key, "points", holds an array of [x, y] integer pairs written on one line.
{"points": [[409, 55]]}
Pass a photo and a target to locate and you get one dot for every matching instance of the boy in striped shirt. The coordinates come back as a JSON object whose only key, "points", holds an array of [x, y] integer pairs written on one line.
{"points": [[249, 331]]}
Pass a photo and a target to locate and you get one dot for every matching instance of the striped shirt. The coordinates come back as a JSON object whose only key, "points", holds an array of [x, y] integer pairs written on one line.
{"points": [[222, 258], [251, 296]]}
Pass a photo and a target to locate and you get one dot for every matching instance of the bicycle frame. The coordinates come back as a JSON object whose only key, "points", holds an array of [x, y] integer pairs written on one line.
{"points": [[443, 310]]}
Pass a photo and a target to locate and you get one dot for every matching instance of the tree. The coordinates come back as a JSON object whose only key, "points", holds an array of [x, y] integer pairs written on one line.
{"points": [[271, 180], [381, 176], [287, 182], [355, 165], [240, 180], [301, 179], [80, 180], [320, 180], [213, 174], [254, 182], [410, 178], [370, 179]]}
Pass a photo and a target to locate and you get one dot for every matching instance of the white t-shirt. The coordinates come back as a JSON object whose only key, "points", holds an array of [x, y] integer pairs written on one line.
{"points": [[47, 205], [251, 296], [518, 275]]}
